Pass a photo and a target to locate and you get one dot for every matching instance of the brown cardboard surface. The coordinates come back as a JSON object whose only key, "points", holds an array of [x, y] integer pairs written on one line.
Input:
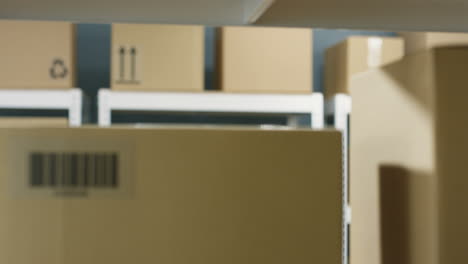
{"points": [[37, 55], [421, 41], [265, 60], [157, 57], [408, 160], [6, 122], [194, 196], [448, 15], [355, 55], [452, 146]]}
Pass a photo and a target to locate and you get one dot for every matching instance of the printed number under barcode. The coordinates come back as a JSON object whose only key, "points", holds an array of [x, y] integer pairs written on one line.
{"points": [[97, 170]]}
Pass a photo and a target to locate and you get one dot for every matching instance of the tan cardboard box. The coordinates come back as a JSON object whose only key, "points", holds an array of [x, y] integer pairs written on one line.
{"points": [[355, 55], [421, 41], [409, 160], [6, 122], [265, 60], [37, 55], [170, 195], [158, 57]]}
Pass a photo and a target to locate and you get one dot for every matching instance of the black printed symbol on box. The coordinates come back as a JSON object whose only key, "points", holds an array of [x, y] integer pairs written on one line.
{"points": [[58, 70], [128, 69]]}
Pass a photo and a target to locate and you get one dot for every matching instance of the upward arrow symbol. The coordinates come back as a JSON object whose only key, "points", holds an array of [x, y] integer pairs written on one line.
{"points": [[122, 63], [133, 52]]}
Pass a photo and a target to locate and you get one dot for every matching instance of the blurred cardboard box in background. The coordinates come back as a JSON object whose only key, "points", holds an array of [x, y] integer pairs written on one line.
{"points": [[37, 55], [158, 57], [265, 60], [355, 55], [421, 41]]}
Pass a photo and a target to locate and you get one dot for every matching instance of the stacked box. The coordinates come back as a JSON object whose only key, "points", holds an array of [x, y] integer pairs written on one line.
{"points": [[37, 55], [157, 57], [355, 55], [421, 41], [265, 60]]}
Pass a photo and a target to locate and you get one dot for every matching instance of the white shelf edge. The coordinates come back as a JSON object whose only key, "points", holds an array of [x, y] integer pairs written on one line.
{"points": [[37, 99], [52, 99], [211, 102], [339, 106], [214, 102]]}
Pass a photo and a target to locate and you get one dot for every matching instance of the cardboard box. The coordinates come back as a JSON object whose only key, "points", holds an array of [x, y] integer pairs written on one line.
{"points": [[158, 57], [355, 55], [170, 195], [6, 122], [409, 160], [37, 55], [265, 60], [421, 41]]}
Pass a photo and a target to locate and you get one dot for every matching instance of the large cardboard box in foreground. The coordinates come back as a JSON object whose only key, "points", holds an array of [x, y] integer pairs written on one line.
{"points": [[355, 55], [421, 41], [265, 60], [409, 160], [37, 55], [170, 195], [158, 57]]}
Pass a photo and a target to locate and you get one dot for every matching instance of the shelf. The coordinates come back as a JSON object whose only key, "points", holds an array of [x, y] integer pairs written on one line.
{"points": [[211, 102], [70, 100], [204, 12], [435, 15]]}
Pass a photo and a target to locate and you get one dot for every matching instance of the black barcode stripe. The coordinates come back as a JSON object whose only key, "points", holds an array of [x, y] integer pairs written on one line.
{"points": [[53, 169], [74, 170], [64, 181], [86, 169], [100, 174], [36, 169], [104, 170], [114, 171], [71, 169], [103, 175], [96, 170]]}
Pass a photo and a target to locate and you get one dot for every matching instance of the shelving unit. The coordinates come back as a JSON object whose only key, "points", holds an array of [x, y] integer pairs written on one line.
{"points": [[212, 102], [204, 12], [339, 107], [70, 100]]}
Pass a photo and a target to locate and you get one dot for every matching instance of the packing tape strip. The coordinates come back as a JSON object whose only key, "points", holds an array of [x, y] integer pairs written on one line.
{"points": [[374, 55]]}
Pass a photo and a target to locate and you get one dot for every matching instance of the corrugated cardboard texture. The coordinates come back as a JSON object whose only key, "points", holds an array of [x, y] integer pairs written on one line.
{"points": [[37, 55], [265, 60], [157, 57], [200, 196], [6, 122], [408, 161], [421, 41], [356, 55]]}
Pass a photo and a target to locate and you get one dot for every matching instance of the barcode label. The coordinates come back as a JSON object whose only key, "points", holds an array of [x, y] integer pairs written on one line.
{"points": [[74, 170]]}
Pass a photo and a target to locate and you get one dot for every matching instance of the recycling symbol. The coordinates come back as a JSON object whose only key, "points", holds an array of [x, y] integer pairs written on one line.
{"points": [[58, 70]]}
